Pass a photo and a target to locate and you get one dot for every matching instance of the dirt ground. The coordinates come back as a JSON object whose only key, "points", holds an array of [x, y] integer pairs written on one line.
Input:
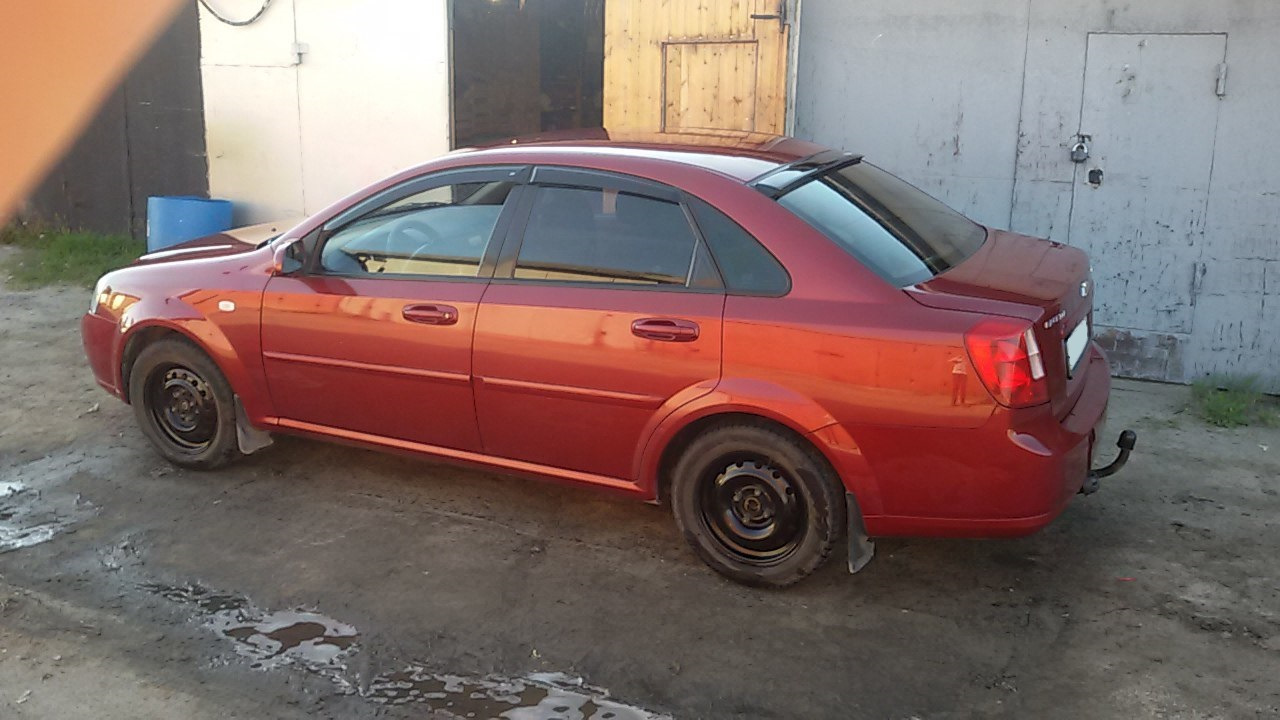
{"points": [[320, 581]]}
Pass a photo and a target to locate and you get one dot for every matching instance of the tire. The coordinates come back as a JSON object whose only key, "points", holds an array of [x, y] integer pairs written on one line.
{"points": [[184, 405], [758, 506]]}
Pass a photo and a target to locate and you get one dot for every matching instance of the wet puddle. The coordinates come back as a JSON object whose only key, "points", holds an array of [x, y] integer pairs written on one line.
{"points": [[268, 639], [323, 645], [541, 696]]}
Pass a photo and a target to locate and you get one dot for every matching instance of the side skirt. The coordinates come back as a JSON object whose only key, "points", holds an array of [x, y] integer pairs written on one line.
{"points": [[464, 457]]}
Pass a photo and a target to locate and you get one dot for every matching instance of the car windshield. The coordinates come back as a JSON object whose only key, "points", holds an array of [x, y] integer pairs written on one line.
{"points": [[899, 232]]}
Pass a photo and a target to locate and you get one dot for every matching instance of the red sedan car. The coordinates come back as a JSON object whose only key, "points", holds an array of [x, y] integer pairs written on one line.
{"points": [[788, 344]]}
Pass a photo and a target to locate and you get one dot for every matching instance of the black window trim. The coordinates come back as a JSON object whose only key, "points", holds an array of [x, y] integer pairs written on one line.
{"points": [[693, 220], [516, 174], [587, 179]]}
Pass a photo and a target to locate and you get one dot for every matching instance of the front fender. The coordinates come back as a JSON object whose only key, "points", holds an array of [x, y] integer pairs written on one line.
{"points": [[772, 402], [222, 323]]}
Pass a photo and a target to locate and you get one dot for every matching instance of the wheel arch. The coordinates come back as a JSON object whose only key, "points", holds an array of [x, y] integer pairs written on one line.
{"points": [[136, 341], [670, 453], [205, 337], [814, 428]]}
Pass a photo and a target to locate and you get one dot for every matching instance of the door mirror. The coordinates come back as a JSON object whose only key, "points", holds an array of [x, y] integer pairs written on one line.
{"points": [[285, 257]]}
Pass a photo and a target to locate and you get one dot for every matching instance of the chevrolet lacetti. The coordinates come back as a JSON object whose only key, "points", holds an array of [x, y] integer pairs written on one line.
{"points": [[792, 347]]}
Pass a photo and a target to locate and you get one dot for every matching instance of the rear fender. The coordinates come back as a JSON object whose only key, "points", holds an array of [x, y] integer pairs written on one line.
{"points": [[771, 402]]}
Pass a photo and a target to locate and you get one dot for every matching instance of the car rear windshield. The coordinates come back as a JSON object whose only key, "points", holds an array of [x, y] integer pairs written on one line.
{"points": [[899, 232]]}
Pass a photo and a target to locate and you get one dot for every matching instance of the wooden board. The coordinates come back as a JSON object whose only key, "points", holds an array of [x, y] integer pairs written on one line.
{"points": [[682, 65]]}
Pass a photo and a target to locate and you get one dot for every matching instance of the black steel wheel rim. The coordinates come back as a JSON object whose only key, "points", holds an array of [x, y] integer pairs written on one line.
{"points": [[753, 509], [183, 408]]}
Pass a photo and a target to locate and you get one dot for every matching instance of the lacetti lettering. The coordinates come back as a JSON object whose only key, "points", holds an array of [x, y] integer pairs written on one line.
{"points": [[1048, 325]]}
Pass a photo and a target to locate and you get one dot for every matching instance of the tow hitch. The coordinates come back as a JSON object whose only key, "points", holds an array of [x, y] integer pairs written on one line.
{"points": [[1128, 439]]}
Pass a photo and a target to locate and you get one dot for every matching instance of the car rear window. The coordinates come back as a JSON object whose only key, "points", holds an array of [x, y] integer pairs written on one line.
{"points": [[899, 232]]}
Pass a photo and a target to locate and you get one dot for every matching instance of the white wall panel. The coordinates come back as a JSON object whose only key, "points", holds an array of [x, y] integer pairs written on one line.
{"points": [[289, 134], [267, 42], [373, 90], [251, 136]]}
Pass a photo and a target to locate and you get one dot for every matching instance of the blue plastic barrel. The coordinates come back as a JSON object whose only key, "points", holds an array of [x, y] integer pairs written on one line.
{"points": [[173, 220]]}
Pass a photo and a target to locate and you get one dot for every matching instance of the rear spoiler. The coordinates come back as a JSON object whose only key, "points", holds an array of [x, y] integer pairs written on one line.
{"points": [[782, 180]]}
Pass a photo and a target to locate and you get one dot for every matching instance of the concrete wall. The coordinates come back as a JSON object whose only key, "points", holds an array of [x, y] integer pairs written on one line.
{"points": [[146, 139], [979, 103], [289, 133]]}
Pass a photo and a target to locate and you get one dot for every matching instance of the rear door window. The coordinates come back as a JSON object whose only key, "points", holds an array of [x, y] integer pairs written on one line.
{"points": [[895, 229], [598, 235]]}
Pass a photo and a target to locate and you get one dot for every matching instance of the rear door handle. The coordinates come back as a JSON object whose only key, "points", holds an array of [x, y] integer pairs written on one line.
{"points": [[431, 314], [665, 329]]}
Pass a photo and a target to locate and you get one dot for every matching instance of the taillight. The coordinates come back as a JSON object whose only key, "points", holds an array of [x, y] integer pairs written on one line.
{"points": [[1007, 357]]}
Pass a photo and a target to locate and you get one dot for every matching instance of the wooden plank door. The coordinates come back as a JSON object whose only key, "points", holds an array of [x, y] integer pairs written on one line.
{"points": [[693, 65]]}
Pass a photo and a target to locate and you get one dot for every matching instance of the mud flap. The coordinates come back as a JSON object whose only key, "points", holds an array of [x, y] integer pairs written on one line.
{"points": [[861, 548], [249, 438]]}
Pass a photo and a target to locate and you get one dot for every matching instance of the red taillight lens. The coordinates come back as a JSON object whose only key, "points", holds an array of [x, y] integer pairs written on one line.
{"points": [[1005, 354]]}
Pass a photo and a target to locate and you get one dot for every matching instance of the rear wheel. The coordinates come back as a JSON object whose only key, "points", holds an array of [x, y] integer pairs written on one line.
{"points": [[184, 405], [757, 505]]}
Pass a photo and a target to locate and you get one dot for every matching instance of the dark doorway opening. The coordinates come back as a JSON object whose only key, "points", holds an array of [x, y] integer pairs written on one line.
{"points": [[526, 66]]}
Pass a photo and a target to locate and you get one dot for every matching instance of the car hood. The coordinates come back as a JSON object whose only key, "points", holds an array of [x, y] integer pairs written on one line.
{"points": [[229, 242]]}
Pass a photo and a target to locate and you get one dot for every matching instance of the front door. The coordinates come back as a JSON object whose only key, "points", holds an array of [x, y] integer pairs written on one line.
{"points": [[373, 335], [1151, 111], [684, 67], [607, 311]]}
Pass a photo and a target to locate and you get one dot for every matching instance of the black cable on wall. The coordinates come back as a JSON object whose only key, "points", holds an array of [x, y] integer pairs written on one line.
{"points": [[237, 23]]}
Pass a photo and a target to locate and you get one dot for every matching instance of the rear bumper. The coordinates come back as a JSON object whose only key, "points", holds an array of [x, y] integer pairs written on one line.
{"points": [[99, 336], [1008, 479]]}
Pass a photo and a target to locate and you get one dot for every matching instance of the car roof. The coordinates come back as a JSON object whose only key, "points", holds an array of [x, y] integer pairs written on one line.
{"points": [[743, 156]]}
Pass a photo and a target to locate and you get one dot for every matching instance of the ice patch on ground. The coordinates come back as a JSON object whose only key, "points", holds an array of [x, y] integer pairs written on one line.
{"points": [[33, 507]]}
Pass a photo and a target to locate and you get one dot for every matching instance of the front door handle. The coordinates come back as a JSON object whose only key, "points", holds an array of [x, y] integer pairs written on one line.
{"points": [[665, 329], [431, 314]]}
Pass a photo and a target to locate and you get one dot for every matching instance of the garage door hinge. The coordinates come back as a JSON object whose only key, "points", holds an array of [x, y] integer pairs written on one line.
{"points": [[1222, 80]]}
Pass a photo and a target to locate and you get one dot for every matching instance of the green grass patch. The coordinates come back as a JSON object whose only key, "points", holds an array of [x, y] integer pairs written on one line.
{"points": [[1230, 401], [49, 256]]}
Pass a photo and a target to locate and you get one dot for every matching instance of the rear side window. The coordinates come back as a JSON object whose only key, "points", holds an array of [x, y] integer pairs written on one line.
{"points": [[746, 266], [899, 232], [606, 236]]}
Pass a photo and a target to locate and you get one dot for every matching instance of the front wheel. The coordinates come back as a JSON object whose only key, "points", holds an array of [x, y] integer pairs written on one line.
{"points": [[184, 405], [756, 505]]}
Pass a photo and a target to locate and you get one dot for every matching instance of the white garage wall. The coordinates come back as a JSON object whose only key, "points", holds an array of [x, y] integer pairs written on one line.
{"points": [[289, 133]]}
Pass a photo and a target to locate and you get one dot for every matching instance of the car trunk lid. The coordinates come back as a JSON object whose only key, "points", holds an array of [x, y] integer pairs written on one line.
{"points": [[1045, 283]]}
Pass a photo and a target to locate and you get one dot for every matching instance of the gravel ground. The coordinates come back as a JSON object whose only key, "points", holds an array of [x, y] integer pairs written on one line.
{"points": [[315, 580]]}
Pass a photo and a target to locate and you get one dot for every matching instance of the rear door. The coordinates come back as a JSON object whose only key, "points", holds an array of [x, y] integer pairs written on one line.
{"points": [[373, 336], [604, 311]]}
